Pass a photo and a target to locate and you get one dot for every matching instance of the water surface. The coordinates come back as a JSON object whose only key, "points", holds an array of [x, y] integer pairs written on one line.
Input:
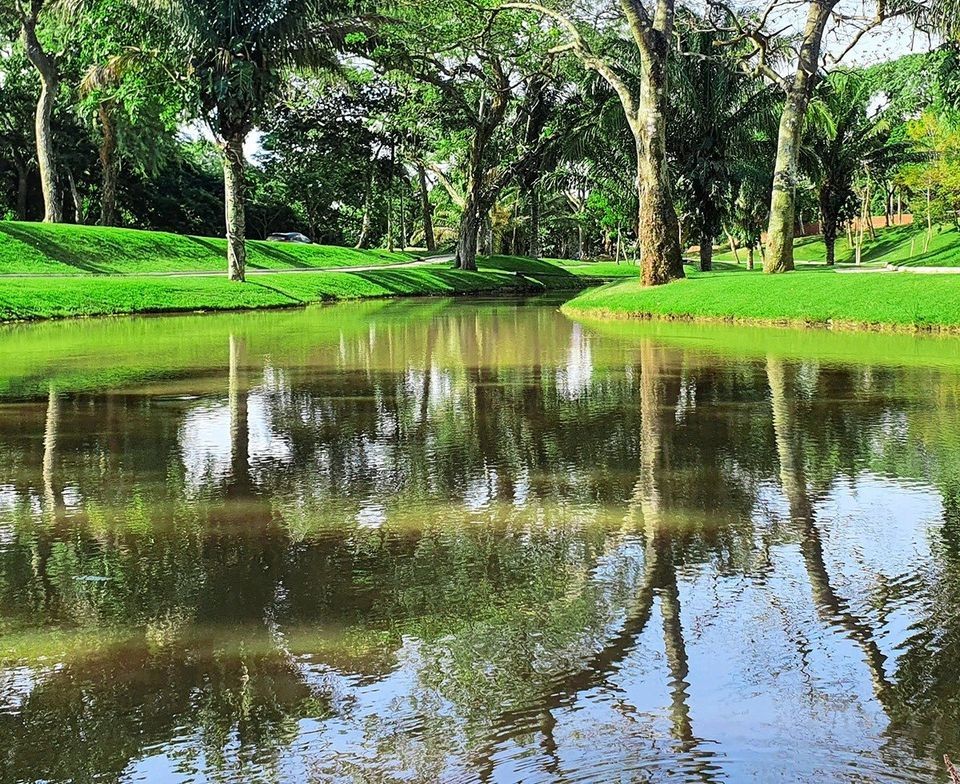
{"points": [[473, 541]]}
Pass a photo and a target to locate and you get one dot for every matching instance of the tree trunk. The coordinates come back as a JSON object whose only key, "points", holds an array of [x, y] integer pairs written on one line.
{"points": [[706, 252], [108, 166], [364, 237], [78, 216], [659, 229], [733, 246], [23, 186], [428, 236], [780, 232], [487, 239], [828, 224], [466, 258], [750, 257], [534, 249], [234, 189], [46, 158], [470, 221], [403, 218], [830, 240]]}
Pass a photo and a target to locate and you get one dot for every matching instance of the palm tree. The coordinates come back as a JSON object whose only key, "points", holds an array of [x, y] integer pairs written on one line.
{"points": [[843, 143], [715, 114], [238, 51]]}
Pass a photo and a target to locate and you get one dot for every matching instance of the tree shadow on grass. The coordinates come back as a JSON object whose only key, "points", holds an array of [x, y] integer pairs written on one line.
{"points": [[210, 246], [293, 300], [284, 257], [523, 265], [54, 250], [431, 282], [881, 247], [944, 256]]}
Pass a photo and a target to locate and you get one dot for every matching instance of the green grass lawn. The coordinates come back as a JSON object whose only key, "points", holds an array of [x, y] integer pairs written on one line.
{"points": [[63, 297], [58, 271], [45, 249], [901, 246], [818, 296]]}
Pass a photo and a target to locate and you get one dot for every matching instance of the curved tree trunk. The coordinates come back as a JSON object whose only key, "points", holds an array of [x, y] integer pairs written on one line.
{"points": [[660, 252], [783, 205], [46, 158], [466, 258], [428, 236], [234, 191], [108, 166]]}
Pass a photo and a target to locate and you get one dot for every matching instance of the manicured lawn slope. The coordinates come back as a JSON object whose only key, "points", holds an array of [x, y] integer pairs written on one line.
{"points": [[61, 297], [902, 246], [61, 271], [820, 296], [38, 248]]}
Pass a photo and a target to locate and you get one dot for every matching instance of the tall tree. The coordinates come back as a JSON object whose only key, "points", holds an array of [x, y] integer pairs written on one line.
{"points": [[484, 73], [717, 114], [29, 14], [845, 142], [797, 83], [130, 87], [238, 51], [643, 97]]}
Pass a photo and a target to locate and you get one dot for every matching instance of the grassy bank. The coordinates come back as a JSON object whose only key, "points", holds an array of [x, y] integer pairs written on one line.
{"points": [[902, 246], [816, 296], [45, 249], [60, 271], [67, 297]]}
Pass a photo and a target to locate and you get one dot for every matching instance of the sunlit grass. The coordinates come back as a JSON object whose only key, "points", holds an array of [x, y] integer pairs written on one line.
{"points": [[901, 246], [821, 297], [62, 249]]}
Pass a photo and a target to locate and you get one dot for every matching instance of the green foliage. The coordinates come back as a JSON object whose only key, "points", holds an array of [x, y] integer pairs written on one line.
{"points": [[722, 120], [935, 182]]}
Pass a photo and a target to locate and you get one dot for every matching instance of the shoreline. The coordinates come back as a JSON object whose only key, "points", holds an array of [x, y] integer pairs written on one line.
{"points": [[114, 297]]}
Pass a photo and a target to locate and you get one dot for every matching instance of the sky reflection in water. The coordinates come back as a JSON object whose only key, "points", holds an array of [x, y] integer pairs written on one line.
{"points": [[475, 541]]}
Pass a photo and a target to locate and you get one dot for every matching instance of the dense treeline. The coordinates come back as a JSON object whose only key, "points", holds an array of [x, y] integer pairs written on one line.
{"points": [[514, 127]]}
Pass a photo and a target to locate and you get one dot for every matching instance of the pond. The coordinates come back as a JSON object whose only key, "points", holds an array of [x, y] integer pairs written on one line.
{"points": [[476, 541]]}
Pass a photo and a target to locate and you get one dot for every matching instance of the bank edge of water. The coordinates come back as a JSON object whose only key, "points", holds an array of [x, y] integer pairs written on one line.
{"points": [[27, 300], [604, 314]]}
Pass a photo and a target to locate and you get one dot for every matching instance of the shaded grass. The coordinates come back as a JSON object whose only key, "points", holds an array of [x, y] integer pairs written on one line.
{"points": [[822, 297], [61, 297], [45, 249], [900, 246]]}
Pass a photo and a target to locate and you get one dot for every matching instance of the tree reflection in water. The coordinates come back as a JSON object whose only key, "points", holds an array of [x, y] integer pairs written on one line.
{"points": [[459, 541]]}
